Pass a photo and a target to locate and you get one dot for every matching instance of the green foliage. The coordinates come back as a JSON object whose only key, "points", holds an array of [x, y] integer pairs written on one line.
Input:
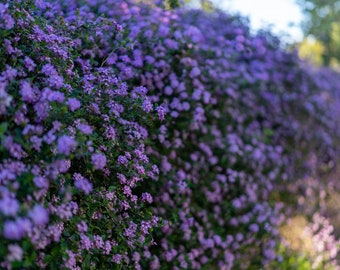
{"points": [[322, 22], [173, 3], [291, 260]]}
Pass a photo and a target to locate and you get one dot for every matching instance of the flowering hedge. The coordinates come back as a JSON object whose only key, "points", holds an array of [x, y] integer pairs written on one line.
{"points": [[136, 137], [72, 136]]}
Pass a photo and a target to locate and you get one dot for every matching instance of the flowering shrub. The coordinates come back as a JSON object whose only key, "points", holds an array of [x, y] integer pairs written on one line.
{"points": [[241, 112], [115, 116], [72, 147]]}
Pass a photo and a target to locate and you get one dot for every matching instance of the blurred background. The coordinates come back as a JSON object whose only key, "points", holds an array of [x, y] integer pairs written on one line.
{"points": [[310, 26]]}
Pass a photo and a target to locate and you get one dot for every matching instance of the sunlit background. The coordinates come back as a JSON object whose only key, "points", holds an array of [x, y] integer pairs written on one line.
{"points": [[283, 17], [312, 27]]}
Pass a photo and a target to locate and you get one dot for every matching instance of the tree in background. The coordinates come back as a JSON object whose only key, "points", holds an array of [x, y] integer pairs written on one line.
{"points": [[206, 5], [312, 50], [322, 24]]}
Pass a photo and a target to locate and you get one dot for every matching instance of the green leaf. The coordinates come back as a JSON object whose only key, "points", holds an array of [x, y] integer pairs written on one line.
{"points": [[3, 128]]}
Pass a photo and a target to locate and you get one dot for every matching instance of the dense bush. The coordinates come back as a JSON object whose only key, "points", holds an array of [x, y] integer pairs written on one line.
{"points": [[133, 136], [72, 148]]}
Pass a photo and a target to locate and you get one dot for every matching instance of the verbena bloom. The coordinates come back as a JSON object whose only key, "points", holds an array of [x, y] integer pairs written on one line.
{"points": [[13, 230], [48, 70], [161, 112], [82, 227], [82, 183], [29, 63], [40, 182], [147, 105], [195, 72], [66, 145], [123, 160], [39, 215], [73, 104], [9, 206], [85, 242], [146, 197], [15, 253], [141, 90], [27, 92], [84, 128], [98, 161], [70, 263]]}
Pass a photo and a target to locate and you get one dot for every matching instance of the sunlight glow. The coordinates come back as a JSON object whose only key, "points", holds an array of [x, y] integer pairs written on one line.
{"points": [[281, 16]]}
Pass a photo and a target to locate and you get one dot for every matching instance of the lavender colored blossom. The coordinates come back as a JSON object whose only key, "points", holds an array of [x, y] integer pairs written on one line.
{"points": [[15, 253], [9, 206], [66, 145], [39, 215], [86, 242], [161, 112], [82, 227], [141, 90], [48, 70], [146, 197], [122, 160], [84, 128], [147, 105], [29, 63], [98, 161], [82, 183], [13, 230], [27, 92], [73, 104]]}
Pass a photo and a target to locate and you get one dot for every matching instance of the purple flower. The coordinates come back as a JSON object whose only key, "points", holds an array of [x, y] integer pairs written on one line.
{"points": [[73, 104], [110, 133], [84, 128], [81, 183], [146, 197], [195, 72], [39, 215], [50, 95], [15, 253], [82, 227], [147, 105], [141, 90], [85, 242], [56, 81], [98, 161], [40, 182], [9, 207], [70, 263], [14, 149], [117, 258], [254, 228], [161, 112], [29, 63], [9, 21], [123, 160], [13, 230], [41, 108], [48, 70], [98, 241], [27, 92], [66, 145], [10, 73]]}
